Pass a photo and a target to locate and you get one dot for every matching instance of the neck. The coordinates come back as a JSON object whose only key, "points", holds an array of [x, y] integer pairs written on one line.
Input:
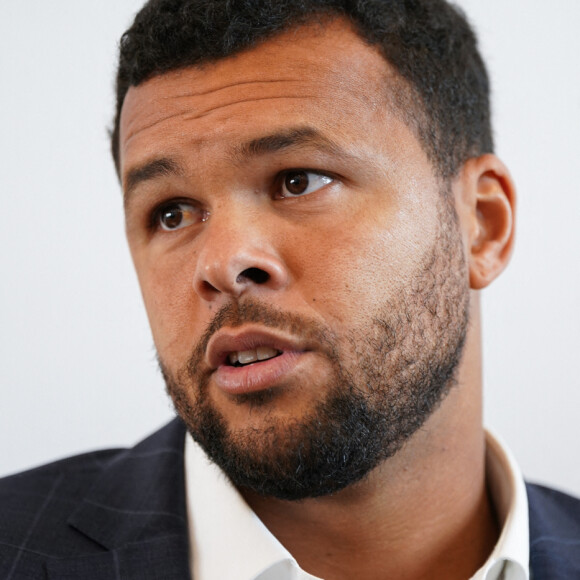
{"points": [[423, 513]]}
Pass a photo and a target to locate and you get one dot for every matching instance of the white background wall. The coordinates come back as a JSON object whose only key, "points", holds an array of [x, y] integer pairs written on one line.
{"points": [[77, 367]]}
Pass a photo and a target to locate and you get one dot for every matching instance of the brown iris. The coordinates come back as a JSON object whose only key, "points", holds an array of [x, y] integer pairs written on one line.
{"points": [[296, 182]]}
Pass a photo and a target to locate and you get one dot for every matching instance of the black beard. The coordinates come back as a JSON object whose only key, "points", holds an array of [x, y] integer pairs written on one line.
{"points": [[406, 360]]}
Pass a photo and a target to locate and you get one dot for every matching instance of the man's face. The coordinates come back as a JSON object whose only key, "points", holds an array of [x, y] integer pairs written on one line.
{"points": [[300, 263]]}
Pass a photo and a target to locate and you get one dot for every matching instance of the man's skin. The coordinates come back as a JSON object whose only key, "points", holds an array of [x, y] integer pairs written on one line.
{"points": [[331, 255]]}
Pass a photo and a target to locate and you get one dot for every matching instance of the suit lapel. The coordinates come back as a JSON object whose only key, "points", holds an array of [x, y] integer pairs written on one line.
{"points": [[136, 512], [165, 558]]}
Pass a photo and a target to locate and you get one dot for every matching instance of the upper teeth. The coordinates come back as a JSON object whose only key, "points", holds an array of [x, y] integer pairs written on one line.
{"points": [[249, 356]]}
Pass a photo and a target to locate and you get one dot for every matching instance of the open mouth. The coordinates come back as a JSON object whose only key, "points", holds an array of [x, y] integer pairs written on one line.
{"points": [[248, 357]]}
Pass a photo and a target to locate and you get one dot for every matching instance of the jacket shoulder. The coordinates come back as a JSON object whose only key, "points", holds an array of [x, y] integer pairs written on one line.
{"points": [[87, 506], [75, 472], [554, 533]]}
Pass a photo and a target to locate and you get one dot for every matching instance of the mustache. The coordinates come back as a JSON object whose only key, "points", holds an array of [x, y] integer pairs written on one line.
{"points": [[235, 314]]}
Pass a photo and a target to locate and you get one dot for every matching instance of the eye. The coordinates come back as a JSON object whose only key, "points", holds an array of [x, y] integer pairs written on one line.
{"points": [[301, 182], [177, 215]]}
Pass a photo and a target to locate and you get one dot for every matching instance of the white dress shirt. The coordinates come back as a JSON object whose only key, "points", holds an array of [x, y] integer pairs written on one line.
{"points": [[229, 542]]}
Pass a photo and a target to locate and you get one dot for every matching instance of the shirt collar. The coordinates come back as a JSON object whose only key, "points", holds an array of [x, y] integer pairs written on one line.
{"points": [[228, 540], [507, 489]]}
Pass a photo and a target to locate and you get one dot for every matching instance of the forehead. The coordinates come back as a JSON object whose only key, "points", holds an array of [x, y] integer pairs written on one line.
{"points": [[324, 76]]}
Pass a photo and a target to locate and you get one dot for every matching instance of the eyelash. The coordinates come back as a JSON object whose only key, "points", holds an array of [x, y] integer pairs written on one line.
{"points": [[280, 182], [155, 216], [154, 222]]}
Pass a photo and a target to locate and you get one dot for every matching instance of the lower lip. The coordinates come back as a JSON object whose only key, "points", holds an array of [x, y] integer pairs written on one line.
{"points": [[257, 376]]}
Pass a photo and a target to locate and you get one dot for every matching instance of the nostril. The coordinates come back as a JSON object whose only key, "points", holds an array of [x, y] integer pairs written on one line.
{"points": [[207, 287], [255, 275]]}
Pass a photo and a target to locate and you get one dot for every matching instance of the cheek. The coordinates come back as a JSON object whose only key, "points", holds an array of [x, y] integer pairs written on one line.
{"points": [[358, 265], [171, 305]]}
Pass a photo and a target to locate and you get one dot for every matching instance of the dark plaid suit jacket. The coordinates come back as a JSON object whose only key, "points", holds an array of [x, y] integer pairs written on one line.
{"points": [[121, 515]]}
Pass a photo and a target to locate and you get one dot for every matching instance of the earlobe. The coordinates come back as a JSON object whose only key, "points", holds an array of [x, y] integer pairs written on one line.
{"points": [[492, 207]]}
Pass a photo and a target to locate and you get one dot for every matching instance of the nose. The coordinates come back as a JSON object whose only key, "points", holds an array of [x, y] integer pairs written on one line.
{"points": [[238, 256]]}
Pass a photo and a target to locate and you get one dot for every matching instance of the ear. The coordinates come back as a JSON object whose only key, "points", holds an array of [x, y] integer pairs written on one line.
{"points": [[486, 199]]}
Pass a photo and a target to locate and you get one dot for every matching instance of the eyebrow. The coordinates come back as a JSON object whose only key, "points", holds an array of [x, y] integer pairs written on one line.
{"points": [[286, 139], [267, 144], [149, 171]]}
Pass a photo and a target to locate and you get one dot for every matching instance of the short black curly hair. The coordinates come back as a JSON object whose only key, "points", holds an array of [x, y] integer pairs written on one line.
{"points": [[428, 42]]}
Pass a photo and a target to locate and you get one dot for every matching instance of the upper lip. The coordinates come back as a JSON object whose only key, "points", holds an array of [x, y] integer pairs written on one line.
{"points": [[226, 341]]}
